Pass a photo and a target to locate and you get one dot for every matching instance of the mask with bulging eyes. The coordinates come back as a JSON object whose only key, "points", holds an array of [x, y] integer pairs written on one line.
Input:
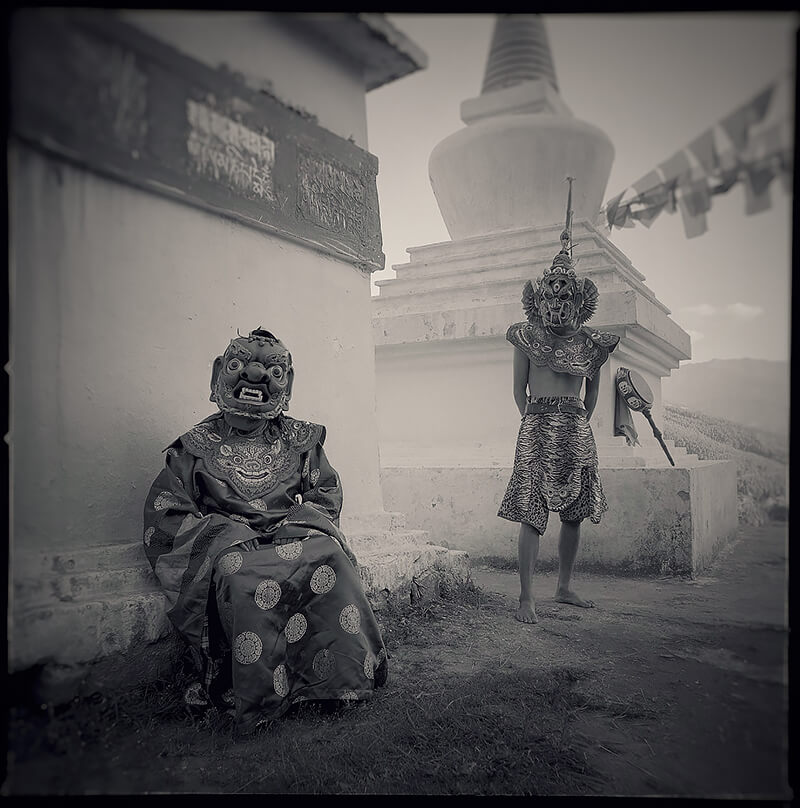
{"points": [[560, 300], [254, 377]]}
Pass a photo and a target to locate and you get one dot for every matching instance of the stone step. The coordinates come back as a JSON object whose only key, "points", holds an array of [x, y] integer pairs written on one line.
{"points": [[121, 555], [519, 264], [393, 569], [75, 560], [82, 585], [420, 296], [74, 633]]}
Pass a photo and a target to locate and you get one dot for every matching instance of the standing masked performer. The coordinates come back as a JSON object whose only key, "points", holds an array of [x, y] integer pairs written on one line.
{"points": [[555, 464], [241, 529]]}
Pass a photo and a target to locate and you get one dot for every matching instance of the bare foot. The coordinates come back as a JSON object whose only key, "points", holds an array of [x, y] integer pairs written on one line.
{"points": [[526, 612], [568, 596]]}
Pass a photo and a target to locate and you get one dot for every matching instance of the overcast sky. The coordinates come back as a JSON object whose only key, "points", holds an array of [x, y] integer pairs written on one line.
{"points": [[652, 82]]}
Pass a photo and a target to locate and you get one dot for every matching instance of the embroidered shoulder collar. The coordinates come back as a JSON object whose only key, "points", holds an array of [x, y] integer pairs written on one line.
{"points": [[580, 355], [253, 464]]}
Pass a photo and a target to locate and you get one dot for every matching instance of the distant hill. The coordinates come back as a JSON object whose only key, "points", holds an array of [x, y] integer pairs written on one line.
{"points": [[761, 458], [752, 392]]}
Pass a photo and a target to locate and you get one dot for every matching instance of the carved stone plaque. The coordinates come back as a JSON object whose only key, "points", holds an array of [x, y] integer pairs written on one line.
{"points": [[100, 92], [330, 195], [230, 153]]}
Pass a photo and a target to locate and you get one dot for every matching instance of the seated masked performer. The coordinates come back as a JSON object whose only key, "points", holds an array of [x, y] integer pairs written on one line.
{"points": [[241, 529], [555, 464]]}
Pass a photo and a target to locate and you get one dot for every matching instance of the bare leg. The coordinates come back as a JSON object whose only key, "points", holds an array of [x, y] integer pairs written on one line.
{"points": [[567, 550], [528, 553]]}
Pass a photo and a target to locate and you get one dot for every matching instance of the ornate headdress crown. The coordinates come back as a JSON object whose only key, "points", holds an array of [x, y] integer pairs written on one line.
{"points": [[563, 265]]}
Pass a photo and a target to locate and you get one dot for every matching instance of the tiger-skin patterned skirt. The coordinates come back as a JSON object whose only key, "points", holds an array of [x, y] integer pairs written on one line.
{"points": [[555, 469]]}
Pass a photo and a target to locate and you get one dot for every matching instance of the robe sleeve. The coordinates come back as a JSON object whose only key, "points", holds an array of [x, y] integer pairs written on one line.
{"points": [[181, 542], [321, 485]]}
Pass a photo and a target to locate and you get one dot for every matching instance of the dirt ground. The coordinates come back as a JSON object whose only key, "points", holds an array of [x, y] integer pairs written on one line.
{"points": [[667, 687], [712, 651]]}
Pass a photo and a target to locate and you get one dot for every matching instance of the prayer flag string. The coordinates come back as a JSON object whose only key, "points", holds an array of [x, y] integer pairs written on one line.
{"points": [[752, 145]]}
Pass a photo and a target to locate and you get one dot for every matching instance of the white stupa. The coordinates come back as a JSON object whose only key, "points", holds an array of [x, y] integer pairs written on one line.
{"points": [[446, 416]]}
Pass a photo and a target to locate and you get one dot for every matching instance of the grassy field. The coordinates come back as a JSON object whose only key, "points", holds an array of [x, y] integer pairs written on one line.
{"points": [[761, 459]]}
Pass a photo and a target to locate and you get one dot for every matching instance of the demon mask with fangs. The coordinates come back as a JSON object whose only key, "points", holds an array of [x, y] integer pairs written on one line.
{"points": [[254, 377]]}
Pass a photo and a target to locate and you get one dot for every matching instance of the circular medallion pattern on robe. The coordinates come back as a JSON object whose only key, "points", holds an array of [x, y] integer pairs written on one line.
{"points": [[324, 663], [258, 504], [289, 551], [323, 579], [314, 476], [369, 665], [247, 648], [230, 563], [148, 535], [349, 695], [350, 619], [296, 627], [280, 681], [165, 500], [268, 593]]}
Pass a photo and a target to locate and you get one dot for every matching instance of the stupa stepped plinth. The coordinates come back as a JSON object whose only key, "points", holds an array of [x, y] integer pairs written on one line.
{"points": [[446, 416]]}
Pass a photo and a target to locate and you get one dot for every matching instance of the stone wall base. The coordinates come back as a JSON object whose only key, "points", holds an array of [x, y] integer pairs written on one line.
{"points": [[94, 619], [660, 520]]}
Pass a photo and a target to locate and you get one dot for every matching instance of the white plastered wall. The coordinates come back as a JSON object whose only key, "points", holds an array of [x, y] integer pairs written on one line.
{"points": [[121, 299]]}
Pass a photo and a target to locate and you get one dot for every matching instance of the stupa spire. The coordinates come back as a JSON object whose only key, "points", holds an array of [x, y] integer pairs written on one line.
{"points": [[519, 52]]}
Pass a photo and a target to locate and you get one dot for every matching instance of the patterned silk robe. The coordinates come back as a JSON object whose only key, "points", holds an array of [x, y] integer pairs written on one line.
{"points": [[275, 625]]}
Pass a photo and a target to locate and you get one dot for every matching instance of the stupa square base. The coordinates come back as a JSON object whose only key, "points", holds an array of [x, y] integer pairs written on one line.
{"points": [[660, 520]]}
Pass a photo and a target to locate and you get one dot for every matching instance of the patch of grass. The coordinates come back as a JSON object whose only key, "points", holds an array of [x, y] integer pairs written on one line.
{"points": [[634, 705], [403, 620], [492, 732], [504, 563]]}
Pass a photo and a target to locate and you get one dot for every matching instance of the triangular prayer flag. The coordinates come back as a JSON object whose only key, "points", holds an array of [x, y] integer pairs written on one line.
{"points": [[760, 104], [735, 126], [704, 148], [611, 209], [622, 216], [696, 197], [738, 123], [676, 167], [648, 215], [693, 224], [768, 142], [756, 199], [648, 182], [760, 176]]}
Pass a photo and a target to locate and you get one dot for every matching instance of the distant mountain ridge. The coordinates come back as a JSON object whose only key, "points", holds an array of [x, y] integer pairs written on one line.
{"points": [[751, 392]]}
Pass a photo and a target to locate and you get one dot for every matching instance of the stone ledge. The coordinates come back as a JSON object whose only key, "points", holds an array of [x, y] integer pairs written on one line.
{"points": [[660, 520], [82, 615]]}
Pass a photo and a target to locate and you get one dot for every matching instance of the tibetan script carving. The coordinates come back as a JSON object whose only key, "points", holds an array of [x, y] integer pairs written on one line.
{"points": [[230, 153], [330, 195]]}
